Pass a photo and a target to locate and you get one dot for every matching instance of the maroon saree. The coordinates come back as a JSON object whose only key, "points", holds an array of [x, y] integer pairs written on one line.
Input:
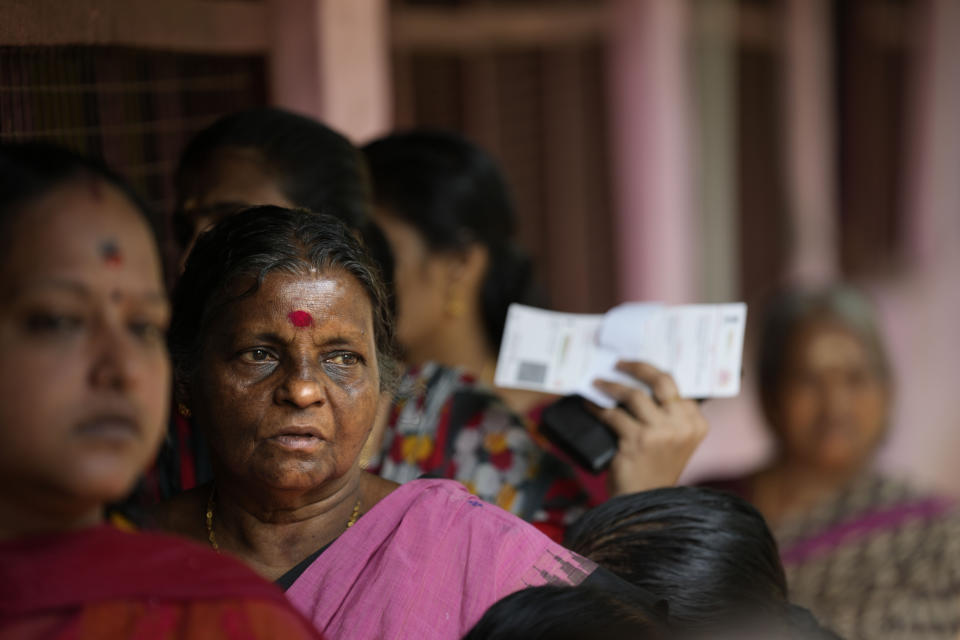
{"points": [[105, 583]]}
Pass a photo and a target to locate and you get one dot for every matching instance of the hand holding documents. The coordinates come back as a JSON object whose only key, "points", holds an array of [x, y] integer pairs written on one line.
{"points": [[701, 346]]}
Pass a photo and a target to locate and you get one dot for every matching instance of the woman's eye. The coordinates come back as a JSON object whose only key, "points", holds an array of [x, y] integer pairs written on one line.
{"points": [[146, 330], [42, 322], [345, 359], [257, 355]]}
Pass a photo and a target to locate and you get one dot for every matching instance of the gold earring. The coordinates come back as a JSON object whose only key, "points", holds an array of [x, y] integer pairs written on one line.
{"points": [[184, 410]]}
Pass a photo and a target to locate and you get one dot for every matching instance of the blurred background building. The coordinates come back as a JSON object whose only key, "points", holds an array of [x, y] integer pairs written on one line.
{"points": [[677, 150]]}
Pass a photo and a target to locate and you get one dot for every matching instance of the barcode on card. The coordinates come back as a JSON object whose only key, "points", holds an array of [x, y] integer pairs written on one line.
{"points": [[532, 372]]}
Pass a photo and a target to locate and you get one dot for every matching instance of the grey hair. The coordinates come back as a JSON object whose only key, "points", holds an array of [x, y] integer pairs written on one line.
{"points": [[791, 309]]}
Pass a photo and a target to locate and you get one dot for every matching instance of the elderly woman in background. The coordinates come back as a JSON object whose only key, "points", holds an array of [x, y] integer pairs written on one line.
{"points": [[869, 555], [85, 387], [281, 340]]}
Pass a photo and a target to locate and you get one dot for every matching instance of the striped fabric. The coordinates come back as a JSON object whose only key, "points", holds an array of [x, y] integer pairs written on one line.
{"points": [[879, 561]]}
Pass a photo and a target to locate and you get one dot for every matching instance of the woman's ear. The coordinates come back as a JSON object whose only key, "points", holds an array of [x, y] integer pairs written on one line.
{"points": [[467, 267], [465, 271]]}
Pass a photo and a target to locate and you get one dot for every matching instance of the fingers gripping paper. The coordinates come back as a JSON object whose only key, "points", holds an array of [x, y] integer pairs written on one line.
{"points": [[701, 346]]}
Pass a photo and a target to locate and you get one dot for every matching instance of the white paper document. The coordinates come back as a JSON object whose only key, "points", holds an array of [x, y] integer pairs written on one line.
{"points": [[700, 345]]}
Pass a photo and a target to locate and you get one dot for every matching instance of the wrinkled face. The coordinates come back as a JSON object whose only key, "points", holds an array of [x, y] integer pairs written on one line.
{"points": [[287, 385], [85, 381], [833, 405], [235, 179], [421, 285]]}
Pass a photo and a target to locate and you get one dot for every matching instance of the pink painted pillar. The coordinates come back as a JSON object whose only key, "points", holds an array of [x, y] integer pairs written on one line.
{"points": [[920, 308], [330, 59], [651, 136], [933, 186], [295, 65], [811, 140]]}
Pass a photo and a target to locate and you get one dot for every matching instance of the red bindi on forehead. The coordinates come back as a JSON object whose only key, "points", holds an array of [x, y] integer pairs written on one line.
{"points": [[300, 319], [110, 253]]}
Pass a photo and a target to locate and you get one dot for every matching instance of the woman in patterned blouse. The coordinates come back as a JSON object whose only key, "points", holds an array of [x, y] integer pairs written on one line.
{"points": [[446, 211]]}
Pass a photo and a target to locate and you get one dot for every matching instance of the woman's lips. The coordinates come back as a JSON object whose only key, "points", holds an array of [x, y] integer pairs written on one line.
{"points": [[113, 429], [297, 441]]}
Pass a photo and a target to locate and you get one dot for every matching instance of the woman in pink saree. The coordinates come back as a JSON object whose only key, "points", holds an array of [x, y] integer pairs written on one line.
{"points": [[281, 341], [435, 558]]}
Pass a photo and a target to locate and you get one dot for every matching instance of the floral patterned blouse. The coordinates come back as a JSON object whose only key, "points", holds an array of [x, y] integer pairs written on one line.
{"points": [[444, 424]]}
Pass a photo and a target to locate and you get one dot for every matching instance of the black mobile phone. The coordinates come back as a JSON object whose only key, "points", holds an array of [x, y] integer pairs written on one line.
{"points": [[579, 433]]}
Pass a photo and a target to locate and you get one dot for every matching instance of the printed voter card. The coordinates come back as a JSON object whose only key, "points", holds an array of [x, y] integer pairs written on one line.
{"points": [[701, 346]]}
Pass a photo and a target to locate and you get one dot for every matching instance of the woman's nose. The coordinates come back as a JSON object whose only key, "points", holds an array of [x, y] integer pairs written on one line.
{"points": [[302, 387], [114, 364], [837, 400]]}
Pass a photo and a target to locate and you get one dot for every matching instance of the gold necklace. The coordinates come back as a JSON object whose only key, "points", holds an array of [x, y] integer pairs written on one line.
{"points": [[211, 536]]}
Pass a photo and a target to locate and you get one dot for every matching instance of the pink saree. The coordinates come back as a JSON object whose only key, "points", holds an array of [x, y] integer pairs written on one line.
{"points": [[426, 562]]}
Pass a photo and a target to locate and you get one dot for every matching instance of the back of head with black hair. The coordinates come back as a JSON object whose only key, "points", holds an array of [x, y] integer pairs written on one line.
{"points": [[30, 170], [316, 168], [567, 613], [252, 244], [709, 554], [792, 622], [453, 193]]}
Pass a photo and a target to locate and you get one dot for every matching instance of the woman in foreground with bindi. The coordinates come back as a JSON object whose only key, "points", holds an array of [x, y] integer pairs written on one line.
{"points": [[85, 387], [263, 156], [282, 345]]}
